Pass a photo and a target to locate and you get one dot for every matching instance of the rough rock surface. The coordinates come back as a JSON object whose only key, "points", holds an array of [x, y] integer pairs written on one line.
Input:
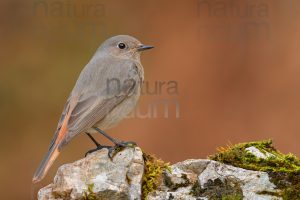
{"points": [[255, 151], [99, 177], [206, 179]]}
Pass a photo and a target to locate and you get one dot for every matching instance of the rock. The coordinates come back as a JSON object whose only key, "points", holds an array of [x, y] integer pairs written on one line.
{"points": [[257, 153], [122, 177], [246, 182], [207, 179], [99, 176]]}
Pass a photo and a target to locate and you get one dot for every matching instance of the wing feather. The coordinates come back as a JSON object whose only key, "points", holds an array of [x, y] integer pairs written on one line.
{"points": [[91, 108]]}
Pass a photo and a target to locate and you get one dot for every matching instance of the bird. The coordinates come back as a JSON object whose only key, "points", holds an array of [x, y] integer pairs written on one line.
{"points": [[106, 91]]}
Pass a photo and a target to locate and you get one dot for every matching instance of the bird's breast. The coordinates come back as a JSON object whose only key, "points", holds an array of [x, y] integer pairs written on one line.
{"points": [[119, 112]]}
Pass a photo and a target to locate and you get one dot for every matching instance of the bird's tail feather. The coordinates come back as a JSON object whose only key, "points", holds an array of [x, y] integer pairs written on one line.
{"points": [[46, 163]]}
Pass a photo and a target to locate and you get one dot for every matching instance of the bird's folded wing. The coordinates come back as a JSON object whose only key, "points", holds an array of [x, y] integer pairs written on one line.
{"points": [[91, 101], [91, 109]]}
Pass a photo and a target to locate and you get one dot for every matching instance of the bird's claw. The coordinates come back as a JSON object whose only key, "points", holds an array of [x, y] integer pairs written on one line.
{"points": [[126, 144], [119, 146], [112, 150]]}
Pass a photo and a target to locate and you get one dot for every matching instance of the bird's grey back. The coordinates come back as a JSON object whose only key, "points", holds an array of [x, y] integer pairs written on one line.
{"points": [[102, 69]]}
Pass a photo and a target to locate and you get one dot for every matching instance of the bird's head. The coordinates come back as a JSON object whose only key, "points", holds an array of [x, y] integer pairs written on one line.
{"points": [[123, 46]]}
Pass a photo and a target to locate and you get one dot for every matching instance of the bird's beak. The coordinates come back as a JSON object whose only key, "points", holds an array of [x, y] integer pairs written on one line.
{"points": [[144, 47]]}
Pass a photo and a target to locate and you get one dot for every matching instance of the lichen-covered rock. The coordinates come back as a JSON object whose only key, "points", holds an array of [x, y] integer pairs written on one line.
{"points": [[246, 183], [250, 171], [207, 179], [283, 169], [99, 177]]}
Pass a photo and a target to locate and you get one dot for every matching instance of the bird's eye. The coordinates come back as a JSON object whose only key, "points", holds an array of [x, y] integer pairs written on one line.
{"points": [[121, 45]]}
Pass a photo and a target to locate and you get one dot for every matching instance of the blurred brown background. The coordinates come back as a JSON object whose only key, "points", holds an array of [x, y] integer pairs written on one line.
{"points": [[236, 63]]}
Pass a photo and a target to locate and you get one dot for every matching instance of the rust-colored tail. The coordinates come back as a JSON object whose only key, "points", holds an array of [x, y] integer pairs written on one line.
{"points": [[56, 144], [46, 163]]}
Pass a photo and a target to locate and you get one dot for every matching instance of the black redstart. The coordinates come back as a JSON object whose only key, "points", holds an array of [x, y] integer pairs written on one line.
{"points": [[107, 89]]}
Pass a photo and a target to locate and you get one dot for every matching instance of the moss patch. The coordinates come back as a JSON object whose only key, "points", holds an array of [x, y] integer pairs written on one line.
{"points": [[283, 169], [233, 197], [218, 190], [103, 195], [89, 194], [152, 178]]}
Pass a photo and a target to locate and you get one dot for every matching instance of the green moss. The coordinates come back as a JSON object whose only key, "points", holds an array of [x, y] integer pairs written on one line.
{"points": [[292, 193], [152, 177], [283, 169], [229, 189], [233, 197], [89, 194], [196, 189]]}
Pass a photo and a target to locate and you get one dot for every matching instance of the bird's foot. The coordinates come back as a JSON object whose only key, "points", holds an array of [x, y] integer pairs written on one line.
{"points": [[98, 148], [120, 145], [125, 144]]}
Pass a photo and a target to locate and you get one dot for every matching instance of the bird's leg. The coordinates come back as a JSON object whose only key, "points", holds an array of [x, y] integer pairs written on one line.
{"points": [[115, 141], [118, 144], [93, 139], [98, 145]]}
